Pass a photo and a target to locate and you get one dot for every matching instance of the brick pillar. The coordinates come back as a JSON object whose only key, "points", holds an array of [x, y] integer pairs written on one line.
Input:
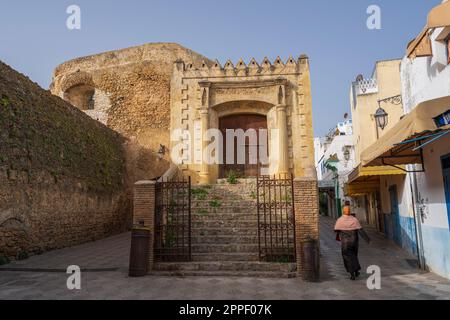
{"points": [[306, 202], [144, 211]]}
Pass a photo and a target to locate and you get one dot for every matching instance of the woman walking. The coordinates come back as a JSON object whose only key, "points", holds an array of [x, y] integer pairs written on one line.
{"points": [[348, 229]]}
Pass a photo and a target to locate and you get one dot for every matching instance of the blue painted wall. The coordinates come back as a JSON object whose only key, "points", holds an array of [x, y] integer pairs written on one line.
{"points": [[407, 232], [436, 242]]}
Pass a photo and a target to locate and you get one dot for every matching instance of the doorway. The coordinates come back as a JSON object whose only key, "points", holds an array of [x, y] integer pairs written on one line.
{"points": [[395, 212], [250, 167]]}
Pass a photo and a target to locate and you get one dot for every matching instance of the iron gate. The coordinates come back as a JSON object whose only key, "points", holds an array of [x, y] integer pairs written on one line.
{"points": [[173, 221], [276, 221]]}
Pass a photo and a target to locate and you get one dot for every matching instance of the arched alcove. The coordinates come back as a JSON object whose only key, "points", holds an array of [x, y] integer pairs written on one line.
{"points": [[89, 99], [81, 96]]}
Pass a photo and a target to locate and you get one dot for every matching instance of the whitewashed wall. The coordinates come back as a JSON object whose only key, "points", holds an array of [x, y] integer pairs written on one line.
{"points": [[426, 78]]}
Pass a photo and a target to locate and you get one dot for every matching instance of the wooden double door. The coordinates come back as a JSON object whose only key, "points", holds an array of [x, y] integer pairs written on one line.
{"points": [[244, 122]]}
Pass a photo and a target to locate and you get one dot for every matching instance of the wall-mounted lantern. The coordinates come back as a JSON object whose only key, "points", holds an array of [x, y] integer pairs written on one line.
{"points": [[381, 118]]}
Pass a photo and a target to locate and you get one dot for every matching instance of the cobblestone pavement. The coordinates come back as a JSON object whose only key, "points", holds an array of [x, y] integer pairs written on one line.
{"points": [[43, 277]]}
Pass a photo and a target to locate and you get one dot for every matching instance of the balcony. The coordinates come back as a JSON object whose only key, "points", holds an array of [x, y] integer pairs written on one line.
{"points": [[366, 86]]}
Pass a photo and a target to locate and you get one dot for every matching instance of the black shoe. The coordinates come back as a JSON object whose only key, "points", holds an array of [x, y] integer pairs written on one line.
{"points": [[352, 277], [357, 274]]}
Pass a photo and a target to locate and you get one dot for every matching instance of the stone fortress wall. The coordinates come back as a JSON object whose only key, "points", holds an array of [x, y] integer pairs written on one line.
{"points": [[62, 174]]}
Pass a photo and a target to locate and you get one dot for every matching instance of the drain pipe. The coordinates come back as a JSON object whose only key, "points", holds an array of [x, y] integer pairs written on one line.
{"points": [[417, 219]]}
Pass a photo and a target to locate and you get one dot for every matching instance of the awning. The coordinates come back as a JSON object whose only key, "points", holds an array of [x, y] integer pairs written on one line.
{"points": [[360, 173], [367, 180], [437, 18], [361, 188], [399, 146]]}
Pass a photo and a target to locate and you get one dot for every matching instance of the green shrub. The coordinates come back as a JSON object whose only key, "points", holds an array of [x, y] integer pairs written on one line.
{"points": [[199, 193], [215, 204], [232, 177]]}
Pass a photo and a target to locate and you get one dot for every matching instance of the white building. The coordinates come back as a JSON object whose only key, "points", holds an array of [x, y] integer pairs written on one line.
{"points": [[420, 143], [335, 159]]}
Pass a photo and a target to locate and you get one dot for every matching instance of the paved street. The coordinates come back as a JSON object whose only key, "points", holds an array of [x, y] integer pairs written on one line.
{"points": [[42, 277]]}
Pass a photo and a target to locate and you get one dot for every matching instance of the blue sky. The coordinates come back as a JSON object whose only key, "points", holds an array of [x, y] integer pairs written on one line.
{"points": [[34, 38]]}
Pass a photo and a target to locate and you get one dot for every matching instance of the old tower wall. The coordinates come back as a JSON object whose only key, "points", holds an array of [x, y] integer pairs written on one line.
{"points": [[129, 91]]}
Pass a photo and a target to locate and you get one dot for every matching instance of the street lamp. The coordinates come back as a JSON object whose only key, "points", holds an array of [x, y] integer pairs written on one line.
{"points": [[381, 118]]}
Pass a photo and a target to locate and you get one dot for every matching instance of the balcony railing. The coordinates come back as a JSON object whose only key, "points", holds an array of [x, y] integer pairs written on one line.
{"points": [[366, 86]]}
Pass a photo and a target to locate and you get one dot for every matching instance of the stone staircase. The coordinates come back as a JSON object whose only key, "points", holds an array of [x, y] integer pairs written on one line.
{"points": [[225, 235]]}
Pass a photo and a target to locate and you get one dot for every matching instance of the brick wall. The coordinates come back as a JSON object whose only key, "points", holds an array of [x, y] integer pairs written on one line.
{"points": [[144, 211], [306, 202]]}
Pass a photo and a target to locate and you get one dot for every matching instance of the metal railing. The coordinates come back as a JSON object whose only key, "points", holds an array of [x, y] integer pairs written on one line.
{"points": [[173, 220], [276, 220]]}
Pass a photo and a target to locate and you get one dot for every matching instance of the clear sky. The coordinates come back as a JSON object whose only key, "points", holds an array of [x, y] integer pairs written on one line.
{"points": [[34, 38]]}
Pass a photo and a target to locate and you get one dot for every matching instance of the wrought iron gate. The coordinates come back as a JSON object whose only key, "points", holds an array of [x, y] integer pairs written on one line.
{"points": [[276, 220], [173, 221]]}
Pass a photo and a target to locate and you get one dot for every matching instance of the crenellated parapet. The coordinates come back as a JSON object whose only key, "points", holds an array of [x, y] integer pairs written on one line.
{"points": [[241, 68]]}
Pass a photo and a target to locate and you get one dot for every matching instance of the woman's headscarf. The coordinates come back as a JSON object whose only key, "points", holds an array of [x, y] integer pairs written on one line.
{"points": [[347, 223]]}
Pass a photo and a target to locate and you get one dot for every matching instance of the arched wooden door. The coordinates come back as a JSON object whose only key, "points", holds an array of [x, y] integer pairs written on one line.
{"points": [[244, 122]]}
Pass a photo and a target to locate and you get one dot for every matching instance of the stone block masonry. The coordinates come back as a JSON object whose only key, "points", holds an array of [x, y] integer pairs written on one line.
{"points": [[62, 174]]}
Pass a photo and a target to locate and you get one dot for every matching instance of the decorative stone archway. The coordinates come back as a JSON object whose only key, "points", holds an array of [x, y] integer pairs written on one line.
{"points": [[200, 96]]}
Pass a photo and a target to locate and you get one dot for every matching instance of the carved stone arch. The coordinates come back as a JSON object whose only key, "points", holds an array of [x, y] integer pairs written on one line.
{"points": [[242, 107]]}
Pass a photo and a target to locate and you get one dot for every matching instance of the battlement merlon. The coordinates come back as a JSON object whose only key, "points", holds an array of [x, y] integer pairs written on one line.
{"points": [[241, 69]]}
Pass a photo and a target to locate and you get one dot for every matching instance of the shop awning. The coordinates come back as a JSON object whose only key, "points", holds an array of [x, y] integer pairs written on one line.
{"points": [[361, 188], [367, 180], [403, 143], [360, 173], [437, 18]]}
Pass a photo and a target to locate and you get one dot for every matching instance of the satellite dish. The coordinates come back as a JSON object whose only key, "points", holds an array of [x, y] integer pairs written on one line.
{"points": [[359, 78]]}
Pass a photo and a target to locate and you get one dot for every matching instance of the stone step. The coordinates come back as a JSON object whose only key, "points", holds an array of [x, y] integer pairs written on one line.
{"points": [[223, 216], [234, 239], [225, 208], [241, 256], [225, 248], [223, 203], [230, 223], [248, 181], [226, 266], [226, 274], [226, 231]]}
